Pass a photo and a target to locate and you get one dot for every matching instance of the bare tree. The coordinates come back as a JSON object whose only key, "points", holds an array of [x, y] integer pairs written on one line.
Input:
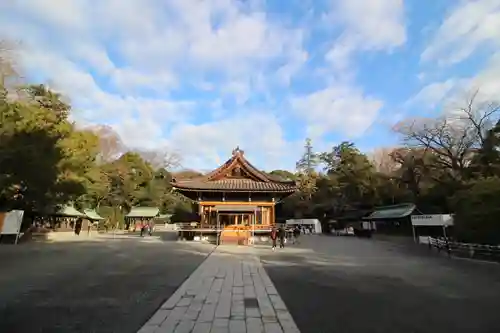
{"points": [[382, 160], [453, 137], [7, 68], [9, 72], [111, 145], [160, 158]]}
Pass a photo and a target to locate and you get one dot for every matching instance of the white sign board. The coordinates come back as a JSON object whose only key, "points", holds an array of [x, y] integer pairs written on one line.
{"points": [[12, 222], [432, 220]]}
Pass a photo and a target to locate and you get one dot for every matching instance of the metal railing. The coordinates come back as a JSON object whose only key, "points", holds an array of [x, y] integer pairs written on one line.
{"points": [[466, 250]]}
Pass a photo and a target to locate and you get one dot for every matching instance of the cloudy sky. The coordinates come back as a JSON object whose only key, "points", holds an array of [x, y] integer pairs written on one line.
{"points": [[203, 76]]}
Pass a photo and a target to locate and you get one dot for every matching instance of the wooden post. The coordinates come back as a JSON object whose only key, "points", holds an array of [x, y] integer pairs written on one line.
{"points": [[219, 234]]}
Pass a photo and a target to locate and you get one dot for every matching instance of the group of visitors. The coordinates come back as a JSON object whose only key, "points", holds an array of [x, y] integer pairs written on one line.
{"points": [[281, 234], [147, 228]]}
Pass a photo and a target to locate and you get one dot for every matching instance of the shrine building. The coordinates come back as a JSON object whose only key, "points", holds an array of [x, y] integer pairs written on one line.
{"points": [[236, 201]]}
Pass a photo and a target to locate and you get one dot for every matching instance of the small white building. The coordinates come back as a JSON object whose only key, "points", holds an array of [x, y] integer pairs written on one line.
{"points": [[314, 223]]}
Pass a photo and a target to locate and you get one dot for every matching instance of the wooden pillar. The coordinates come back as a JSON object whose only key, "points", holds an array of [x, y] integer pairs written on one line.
{"points": [[273, 216], [202, 214], [210, 215]]}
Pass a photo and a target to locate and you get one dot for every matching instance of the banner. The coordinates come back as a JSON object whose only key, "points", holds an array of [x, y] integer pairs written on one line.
{"points": [[2, 217], [11, 222]]}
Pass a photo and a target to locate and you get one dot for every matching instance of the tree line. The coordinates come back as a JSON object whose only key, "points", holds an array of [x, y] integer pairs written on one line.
{"points": [[47, 161], [447, 164]]}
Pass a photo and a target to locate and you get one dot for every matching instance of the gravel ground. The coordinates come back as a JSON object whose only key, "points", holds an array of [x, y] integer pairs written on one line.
{"points": [[111, 285], [351, 285]]}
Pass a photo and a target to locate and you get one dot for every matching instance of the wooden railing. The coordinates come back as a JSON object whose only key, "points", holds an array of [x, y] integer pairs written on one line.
{"points": [[196, 225], [468, 250]]}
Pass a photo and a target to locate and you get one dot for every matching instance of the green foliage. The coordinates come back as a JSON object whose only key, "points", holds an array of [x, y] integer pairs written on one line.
{"points": [[309, 159], [36, 138], [351, 182], [477, 211], [283, 174], [46, 162]]}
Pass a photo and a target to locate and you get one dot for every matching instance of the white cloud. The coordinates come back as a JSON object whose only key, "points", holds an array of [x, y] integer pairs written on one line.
{"points": [[368, 25], [468, 26], [337, 108], [432, 94], [105, 56], [258, 133], [342, 106]]}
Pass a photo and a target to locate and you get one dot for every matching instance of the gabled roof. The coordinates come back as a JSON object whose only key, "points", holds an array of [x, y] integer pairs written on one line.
{"points": [[92, 214], [69, 211], [143, 212], [392, 212], [236, 174]]}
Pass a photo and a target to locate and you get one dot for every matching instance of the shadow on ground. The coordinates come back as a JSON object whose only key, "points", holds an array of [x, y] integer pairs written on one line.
{"points": [[361, 285], [108, 286]]}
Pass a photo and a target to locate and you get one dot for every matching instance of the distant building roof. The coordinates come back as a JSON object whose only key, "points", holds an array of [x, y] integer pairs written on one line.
{"points": [[143, 212], [392, 212], [91, 214], [69, 211]]}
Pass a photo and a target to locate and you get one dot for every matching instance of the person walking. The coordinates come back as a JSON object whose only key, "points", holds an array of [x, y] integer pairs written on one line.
{"points": [[144, 227], [151, 227], [78, 226], [274, 235], [296, 234], [281, 235]]}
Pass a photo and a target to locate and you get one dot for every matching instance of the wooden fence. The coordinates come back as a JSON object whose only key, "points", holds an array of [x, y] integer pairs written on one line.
{"points": [[466, 250]]}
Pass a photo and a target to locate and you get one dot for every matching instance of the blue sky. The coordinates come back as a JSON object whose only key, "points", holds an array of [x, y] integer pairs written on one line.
{"points": [[197, 78]]}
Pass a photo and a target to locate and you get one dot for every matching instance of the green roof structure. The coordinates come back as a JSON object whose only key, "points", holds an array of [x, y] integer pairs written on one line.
{"points": [[69, 211], [165, 216], [391, 212], [143, 212], [91, 214]]}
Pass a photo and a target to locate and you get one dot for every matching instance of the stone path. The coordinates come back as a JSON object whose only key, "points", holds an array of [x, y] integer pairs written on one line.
{"points": [[229, 292]]}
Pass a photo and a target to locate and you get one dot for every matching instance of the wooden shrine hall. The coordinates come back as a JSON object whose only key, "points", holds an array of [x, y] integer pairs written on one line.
{"points": [[236, 202]]}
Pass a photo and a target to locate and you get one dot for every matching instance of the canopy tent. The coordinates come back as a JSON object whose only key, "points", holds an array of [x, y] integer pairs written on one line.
{"points": [[92, 215], [143, 212], [312, 222], [391, 212]]}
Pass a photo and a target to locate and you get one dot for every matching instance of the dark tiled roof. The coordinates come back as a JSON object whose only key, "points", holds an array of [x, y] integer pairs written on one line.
{"points": [[235, 185], [250, 179]]}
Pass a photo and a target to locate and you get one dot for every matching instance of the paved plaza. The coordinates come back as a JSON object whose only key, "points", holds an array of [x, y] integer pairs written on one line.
{"points": [[351, 285], [229, 293], [324, 284], [112, 285]]}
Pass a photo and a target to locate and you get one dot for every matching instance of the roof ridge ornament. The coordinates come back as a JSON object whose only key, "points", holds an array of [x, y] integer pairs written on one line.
{"points": [[238, 151]]}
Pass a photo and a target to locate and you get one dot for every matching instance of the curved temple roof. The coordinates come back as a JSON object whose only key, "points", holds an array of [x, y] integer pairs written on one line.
{"points": [[236, 175]]}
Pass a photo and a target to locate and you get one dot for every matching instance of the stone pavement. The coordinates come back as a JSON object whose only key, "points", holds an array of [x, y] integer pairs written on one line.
{"points": [[229, 292]]}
